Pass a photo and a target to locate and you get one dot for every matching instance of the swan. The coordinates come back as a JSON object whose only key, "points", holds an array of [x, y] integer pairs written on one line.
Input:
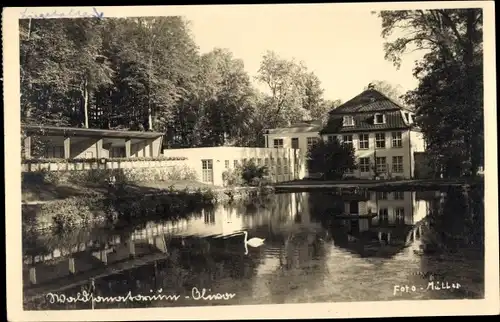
{"points": [[253, 242]]}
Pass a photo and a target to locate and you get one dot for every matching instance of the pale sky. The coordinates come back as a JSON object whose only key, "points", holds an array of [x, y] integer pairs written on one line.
{"points": [[342, 46]]}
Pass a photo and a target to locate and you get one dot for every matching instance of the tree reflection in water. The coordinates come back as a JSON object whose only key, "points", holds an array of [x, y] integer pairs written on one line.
{"points": [[306, 251]]}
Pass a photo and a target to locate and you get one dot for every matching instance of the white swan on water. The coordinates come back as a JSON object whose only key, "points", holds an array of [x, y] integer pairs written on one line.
{"points": [[253, 242]]}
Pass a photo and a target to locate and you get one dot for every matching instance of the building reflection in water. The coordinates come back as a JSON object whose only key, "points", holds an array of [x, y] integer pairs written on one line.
{"points": [[299, 229]]}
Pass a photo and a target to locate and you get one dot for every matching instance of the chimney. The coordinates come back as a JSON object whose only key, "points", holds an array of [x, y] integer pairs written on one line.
{"points": [[371, 86]]}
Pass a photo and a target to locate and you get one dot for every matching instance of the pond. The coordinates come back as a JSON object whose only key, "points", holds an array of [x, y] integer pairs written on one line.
{"points": [[312, 247]]}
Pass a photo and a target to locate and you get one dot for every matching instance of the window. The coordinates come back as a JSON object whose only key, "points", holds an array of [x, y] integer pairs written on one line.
{"points": [[364, 164], [266, 162], [226, 164], [383, 215], [295, 143], [54, 152], [348, 121], [397, 164], [311, 141], [400, 215], [285, 166], [380, 140], [278, 143], [278, 166], [399, 195], [347, 139], [235, 163], [382, 195], [244, 161], [397, 140], [207, 168], [117, 152], [380, 164], [330, 138], [259, 162], [379, 119], [363, 141]]}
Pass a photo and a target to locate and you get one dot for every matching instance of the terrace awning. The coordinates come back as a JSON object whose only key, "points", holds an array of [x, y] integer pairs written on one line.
{"points": [[74, 131]]}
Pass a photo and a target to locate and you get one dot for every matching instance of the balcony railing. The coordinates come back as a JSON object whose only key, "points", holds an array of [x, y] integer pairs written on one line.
{"points": [[54, 164]]}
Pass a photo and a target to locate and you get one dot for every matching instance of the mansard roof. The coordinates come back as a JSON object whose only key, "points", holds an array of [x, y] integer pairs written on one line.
{"points": [[363, 108], [369, 100], [365, 122]]}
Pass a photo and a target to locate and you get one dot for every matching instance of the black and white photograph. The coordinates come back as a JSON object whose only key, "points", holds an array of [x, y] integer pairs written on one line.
{"points": [[315, 160]]}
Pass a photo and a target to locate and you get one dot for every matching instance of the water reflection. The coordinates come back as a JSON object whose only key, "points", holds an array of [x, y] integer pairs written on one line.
{"points": [[318, 247]]}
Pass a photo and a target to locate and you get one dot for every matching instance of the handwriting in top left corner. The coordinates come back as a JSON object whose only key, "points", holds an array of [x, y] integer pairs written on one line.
{"points": [[59, 13]]}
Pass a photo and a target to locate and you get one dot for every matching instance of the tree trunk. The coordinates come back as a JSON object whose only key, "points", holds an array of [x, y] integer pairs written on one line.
{"points": [[470, 42], [85, 93], [150, 66], [150, 119]]}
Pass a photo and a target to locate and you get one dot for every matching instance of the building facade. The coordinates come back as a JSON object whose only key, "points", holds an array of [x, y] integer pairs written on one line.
{"points": [[210, 163], [300, 137], [382, 132]]}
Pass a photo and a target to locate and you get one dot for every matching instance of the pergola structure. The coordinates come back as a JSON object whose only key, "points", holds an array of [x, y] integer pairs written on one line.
{"points": [[75, 143]]}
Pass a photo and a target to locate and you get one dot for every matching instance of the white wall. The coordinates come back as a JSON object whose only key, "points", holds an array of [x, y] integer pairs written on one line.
{"points": [[287, 139], [417, 145], [302, 137], [222, 155]]}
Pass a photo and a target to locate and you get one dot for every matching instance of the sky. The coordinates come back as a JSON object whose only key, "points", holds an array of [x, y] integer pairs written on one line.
{"points": [[342, 46]]}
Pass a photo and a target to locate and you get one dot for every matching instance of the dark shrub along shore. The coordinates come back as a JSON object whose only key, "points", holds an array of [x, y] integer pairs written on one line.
{"points": [[127, 200]]}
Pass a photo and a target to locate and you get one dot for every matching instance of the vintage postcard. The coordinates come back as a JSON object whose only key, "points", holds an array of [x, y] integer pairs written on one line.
{"points": [[276, 161]]}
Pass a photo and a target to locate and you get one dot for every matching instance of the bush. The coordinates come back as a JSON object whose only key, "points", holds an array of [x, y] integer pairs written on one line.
{"points": [[253, 174], [247, 174], [182, 172], [232, 177], [70, 212]]}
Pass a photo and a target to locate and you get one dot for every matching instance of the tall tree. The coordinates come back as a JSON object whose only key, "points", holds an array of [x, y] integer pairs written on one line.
{"points": [[393, 92], [320, 112], [448, 100], [89, 68], [285, 80], [225, 91]]}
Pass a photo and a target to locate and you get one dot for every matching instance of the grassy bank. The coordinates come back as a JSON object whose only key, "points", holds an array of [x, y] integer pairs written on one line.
{"points": [[68, 205]]}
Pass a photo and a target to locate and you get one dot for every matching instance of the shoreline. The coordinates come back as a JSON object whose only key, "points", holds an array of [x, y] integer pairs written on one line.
{"points": [[207, 196], [379, 185]]}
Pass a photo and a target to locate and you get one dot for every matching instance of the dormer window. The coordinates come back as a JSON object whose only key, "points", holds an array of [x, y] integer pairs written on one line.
{"points": [[348, 121], [379, 119]]}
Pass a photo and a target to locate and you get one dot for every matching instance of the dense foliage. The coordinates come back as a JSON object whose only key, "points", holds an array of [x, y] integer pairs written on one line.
{"points": [[449, 96], [248, 173], [331, 158], [148, 74]]}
